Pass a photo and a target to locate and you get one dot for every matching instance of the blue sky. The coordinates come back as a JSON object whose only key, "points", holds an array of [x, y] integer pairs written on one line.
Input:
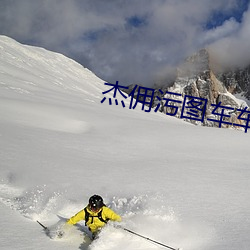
{"points": [[218, 17], [133, 41]]}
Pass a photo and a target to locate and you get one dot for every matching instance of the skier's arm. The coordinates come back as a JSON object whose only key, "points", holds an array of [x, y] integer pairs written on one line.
{"points": [[77, 217], [110, 214]]}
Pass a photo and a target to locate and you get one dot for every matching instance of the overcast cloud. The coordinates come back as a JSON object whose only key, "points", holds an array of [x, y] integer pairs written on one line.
{"points": [[133, 41]]}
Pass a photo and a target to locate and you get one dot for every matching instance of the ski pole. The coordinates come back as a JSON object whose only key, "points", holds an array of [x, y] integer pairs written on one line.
{"points": [[45, 228], [146, 238]]}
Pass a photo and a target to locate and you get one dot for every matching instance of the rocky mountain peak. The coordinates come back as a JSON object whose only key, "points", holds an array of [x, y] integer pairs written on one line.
{"points": [[197, 64], [196, 78], [237, 81]]}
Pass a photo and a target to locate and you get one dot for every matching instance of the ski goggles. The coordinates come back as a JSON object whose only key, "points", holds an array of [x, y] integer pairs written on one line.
{"points": [[94, 208]]}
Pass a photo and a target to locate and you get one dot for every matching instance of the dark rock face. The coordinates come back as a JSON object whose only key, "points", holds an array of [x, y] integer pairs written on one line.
{"points": [[237, 81]]}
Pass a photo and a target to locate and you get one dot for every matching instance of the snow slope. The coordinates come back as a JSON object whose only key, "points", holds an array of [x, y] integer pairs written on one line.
{"points": [[176, 183]]}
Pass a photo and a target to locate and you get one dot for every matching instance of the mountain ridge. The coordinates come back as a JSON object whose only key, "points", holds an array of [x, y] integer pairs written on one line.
{"points": [[197, 77]]}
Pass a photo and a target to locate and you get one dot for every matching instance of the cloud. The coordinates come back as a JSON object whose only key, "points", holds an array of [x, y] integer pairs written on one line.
{"points": [[228, 28], [233, 49], [130, 41]]}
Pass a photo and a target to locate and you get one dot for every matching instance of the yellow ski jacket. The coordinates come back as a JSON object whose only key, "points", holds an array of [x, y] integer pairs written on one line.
{"points": [[94, 223]]}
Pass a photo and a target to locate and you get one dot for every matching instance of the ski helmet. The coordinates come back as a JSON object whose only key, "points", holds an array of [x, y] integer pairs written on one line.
{"points": [[95, 202]]}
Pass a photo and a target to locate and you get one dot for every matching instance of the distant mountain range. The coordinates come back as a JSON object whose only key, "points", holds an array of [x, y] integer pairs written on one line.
{"points": [[198, 77], [237, 81]]}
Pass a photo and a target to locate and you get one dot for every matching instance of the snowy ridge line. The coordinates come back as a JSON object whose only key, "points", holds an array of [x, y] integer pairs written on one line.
{"points": [[25, 69]]}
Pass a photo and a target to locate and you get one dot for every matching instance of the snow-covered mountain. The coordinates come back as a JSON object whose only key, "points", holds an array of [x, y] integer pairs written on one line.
{"points": [[237, 81], [183, 185], [196, 77]]}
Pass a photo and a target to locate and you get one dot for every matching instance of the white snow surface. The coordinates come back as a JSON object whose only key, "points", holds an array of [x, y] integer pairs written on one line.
{"points": [[182, 185]]}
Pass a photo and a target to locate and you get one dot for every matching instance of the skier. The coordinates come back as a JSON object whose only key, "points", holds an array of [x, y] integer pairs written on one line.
{"points": [[95, 214]]}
